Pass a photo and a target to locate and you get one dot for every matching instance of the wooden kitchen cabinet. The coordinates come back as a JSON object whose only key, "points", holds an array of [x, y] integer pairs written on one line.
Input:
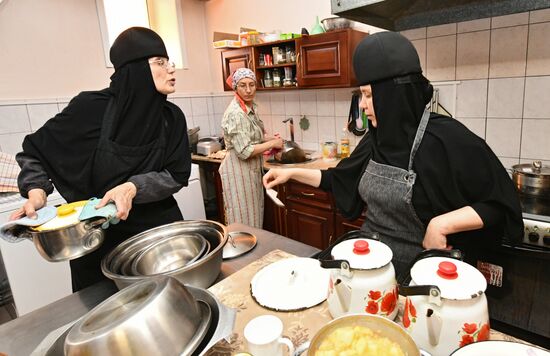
{"points": [[234, 59], [322, 61]]}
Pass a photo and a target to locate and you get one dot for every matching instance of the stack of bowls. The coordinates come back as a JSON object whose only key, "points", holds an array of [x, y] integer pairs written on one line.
{"points": [[190, 251]]}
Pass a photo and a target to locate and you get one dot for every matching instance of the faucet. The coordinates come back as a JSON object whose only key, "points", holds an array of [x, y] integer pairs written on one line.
{"points": [[291, 127]]}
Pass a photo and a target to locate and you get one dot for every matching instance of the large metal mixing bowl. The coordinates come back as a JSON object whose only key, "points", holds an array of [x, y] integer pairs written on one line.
{"points": [[168, 254], [201, 273], [151, 317]]}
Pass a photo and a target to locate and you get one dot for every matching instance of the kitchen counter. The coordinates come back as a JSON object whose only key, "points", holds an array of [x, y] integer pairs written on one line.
{"points": [[22, 335], [316, 163]]}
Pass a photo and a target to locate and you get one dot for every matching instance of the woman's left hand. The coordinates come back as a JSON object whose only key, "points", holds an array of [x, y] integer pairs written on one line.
{"points": [[122, 195], [435, 237]]}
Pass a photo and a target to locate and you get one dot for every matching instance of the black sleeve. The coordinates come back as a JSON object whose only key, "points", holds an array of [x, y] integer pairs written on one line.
{"points": [[154, 186], [32, 175]]}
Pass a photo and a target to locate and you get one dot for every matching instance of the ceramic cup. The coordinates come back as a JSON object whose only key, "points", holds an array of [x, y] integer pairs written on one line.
{"points": [[264, 336]]}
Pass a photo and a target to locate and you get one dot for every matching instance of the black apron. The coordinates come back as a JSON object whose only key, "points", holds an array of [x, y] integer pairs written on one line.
{"points": [[86, 270]]}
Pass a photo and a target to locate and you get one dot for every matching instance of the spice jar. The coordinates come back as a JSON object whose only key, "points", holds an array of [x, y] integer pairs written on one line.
{"points": [[268, 79], [276, 77]]}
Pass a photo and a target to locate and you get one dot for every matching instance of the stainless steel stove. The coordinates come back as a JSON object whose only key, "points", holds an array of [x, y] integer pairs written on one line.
{"points": [[537, 230]]}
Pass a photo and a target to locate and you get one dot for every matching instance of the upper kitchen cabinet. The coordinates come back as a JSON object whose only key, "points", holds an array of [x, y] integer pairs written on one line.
{"points": [[325, 60], [317, 61], [234, 59]]}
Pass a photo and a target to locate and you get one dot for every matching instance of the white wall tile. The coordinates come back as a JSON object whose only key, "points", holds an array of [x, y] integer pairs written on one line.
{"points": [[11, 143], [441, 58], [204, 123], [279, 127], [472, 55], [415, 34], [508, 52], [268, 124], [474, 25], [264, 103], [505, 98], [62, 105], [441, 30], [508, 162], [40, 113], [185, 105], [503, 136], [14, 118], [327, 129], [538, 51], [278, 103], [510, 20], [325, 102], [308, 102], [311, 135], [534, 140], [476, 125], [447, 97], [292, 104], [342, 101], [420, 46], [539, 16], [537, 103], [471, 98], [215, 122], [199, 106]]}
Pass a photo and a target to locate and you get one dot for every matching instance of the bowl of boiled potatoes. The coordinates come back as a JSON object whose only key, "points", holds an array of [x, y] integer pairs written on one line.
{"points": [[360, 334]]}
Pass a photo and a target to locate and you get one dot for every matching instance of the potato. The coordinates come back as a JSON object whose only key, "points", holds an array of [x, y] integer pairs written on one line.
{"points": [[357, 341]]}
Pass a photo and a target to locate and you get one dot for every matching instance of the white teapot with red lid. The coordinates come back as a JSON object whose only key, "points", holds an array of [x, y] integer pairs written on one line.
{"points": [[445, 306], [362, 278]]}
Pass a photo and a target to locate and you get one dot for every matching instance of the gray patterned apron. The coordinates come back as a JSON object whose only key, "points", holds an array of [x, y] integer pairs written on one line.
{"points": [[387, 192]]}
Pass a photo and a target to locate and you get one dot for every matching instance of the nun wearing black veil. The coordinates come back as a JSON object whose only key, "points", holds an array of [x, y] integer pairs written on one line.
{"points": [[126, 144], [425, 180]]}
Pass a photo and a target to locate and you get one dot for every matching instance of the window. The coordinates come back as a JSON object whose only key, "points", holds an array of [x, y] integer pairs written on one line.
{"points": [[162, 16]]}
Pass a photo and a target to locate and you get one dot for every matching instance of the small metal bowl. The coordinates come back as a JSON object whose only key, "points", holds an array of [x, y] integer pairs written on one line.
{"points": [[335, 23], [149, 316], [168, 254]]}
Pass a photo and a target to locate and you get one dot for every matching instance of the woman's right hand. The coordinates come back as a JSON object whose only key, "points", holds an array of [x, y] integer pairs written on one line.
{"points": [[277, 143], [37, 200], [276, 176]]}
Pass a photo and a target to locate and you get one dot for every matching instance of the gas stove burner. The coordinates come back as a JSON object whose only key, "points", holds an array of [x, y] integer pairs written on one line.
{"points": [[537, 230]]}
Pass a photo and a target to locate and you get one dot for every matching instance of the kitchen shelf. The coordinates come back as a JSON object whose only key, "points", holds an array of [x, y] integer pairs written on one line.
{"points": [[279, 88], [293, 64]]}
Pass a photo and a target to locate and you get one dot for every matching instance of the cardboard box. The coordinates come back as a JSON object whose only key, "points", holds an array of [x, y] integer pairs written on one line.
{"points": [[226, 40]]}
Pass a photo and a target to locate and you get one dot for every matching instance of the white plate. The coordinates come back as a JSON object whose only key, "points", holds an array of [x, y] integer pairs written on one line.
{"points": [[273, 195], [499, 348], [290, 284]]}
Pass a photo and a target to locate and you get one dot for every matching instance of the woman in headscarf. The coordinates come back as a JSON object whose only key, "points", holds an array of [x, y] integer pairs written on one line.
{"points": [[242, 168], [126, 144], [426, 181]]}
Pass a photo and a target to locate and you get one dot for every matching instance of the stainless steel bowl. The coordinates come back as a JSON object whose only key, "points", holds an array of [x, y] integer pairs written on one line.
{"points": [[335, 23], [169, 254], [201, 273], [156, 315]]}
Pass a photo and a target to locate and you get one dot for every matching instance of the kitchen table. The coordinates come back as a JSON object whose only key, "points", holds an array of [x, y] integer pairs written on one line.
{"points": [[22, 335]]}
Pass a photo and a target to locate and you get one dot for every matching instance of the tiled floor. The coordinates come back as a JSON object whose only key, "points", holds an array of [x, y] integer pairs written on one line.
{"points": [[7, 313]]}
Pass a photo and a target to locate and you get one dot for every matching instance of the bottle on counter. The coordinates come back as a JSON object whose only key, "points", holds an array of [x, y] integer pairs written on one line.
{"points": [[344, 143]]}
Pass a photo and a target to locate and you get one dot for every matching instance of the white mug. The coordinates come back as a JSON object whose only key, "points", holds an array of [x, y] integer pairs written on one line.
{"points": [[264, 336]]}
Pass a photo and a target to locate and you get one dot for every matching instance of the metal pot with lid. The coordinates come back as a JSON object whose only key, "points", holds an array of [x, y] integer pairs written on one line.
{"points": [[532, 178], [362, 276]]}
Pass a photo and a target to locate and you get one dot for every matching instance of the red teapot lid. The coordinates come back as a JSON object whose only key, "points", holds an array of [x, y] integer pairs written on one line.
{"points": [[456, 279], [363, 253]]}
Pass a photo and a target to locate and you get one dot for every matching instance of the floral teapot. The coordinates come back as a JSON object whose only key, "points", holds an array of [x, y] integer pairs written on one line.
{"points": [[362, 279], [445, 305]]}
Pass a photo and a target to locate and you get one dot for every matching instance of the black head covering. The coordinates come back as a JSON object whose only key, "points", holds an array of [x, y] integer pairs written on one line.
{"points": [[384, 55], [136, 43], [133, 113]]}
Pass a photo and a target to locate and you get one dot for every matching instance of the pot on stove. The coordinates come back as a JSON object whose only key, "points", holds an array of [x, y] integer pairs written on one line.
{"points": [[532, 178], [362, 279], [445, 305]]}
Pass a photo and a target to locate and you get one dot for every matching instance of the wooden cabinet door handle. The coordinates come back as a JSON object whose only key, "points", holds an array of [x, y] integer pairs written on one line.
{"points": [[307, 194], [298, 58]]}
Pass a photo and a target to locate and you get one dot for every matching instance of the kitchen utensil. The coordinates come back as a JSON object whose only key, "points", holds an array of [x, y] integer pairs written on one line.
{"points": [[317, 27], [335, 23], [290, 284], [500, 348], [292, 153], [208, 145], [446, 306], [382, 326], [362, 277], [111, 328], [532, 178], [42, 216], [238, 243], [272, 194], [264, 336], [168, 254], [201, 273]]}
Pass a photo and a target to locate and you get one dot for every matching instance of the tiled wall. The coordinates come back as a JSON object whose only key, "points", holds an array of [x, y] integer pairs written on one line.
{"points": [[502, 69], [493, 75]]}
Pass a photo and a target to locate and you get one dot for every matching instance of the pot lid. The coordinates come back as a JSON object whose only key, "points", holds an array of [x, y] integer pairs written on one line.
{"points": [[66, 215], [535, 168], [238, 243], [290, 284], [456, 279], [363, 253]]}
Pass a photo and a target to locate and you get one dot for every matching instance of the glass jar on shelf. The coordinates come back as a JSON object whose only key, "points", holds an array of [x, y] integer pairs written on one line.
{"points": [[276, 77], [268, 79]]}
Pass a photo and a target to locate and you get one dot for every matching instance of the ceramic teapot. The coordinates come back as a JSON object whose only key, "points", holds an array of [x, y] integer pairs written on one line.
{"points": [[445, 305], [362, 279]]}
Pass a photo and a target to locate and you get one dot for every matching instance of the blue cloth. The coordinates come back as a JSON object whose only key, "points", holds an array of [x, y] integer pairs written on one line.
{"points": [[108, 211]]}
